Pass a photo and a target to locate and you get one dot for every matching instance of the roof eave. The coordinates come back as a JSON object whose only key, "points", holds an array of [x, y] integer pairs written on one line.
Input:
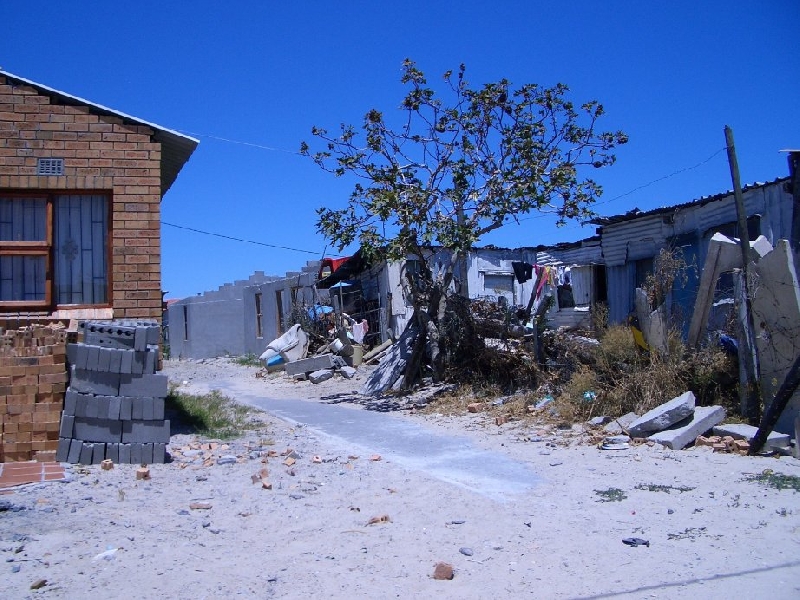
{"points": [[176, 148]]}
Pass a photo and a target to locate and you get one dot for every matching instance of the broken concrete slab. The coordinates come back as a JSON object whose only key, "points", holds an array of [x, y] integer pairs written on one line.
{"points": [[776, 317], [742, 431], [392, 366], [724, 254], [684, 433], [663, 416], [348, 372], [320, 376], [621, 424], [312, 363]]}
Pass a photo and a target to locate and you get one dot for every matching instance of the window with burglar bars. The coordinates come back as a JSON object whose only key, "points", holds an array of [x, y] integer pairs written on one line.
{"points": [[53, 250]]}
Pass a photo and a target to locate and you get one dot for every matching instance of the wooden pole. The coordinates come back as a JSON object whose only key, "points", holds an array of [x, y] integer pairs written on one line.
{"points": [[750, 392]]}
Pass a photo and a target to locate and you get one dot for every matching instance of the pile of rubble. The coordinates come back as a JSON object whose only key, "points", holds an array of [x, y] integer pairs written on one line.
{"points": [[679, 423]]}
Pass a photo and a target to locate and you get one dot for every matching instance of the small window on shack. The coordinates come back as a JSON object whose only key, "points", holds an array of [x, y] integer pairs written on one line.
{"points": [[564, 292], [259, 317], [413, 269], [644, 267]]}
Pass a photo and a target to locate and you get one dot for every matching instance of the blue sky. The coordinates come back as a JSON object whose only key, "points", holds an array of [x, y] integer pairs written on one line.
{"points": [[262, 73]]}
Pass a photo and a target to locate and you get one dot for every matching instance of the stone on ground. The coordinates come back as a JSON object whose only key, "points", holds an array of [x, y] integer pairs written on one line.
{"points": [[682, 434], [620, 423], [743, 431], [320, 376], [347, 372], [663, 416]]}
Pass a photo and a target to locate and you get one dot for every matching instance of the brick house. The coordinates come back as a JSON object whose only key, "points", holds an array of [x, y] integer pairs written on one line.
{"points": [[80, 193]]}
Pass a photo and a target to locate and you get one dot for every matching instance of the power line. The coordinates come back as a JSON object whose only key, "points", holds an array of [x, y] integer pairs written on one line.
{"points": [[230, 141], [235, 239], [539, 216], [678, 172], [628, 193], [641, 187]]}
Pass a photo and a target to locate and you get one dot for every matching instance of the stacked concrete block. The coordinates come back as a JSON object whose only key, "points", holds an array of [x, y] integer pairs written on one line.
{"points": [[114, 406], [33, 378]]}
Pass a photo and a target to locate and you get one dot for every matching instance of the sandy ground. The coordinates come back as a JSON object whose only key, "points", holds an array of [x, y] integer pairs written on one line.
{"points": [[200, 529]]}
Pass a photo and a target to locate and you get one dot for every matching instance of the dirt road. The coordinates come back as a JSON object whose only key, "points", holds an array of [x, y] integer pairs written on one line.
{"points": [[204, 527]]}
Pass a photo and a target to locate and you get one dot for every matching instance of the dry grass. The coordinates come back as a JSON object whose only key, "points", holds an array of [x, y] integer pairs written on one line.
{"points": [[626, 379]]}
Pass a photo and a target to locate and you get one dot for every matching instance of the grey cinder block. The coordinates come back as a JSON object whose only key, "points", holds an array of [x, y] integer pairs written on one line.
{"points": [[136, 453], [75, 449], [112, 452], [137, 368], [72, 352], [159, 453], [140, 339], [83, 356], [95, 382], [158, 409], [137, 409], [92, 359], [150, 361], [114, 403], [76, 355], [70, 402], [115, 360], [91, 408], [147, 453], [62, 454], [154, 335], [145, 431], [104, 360], [87, 451], [125, 408], [65, 430], [98, 453], [124, 454], [126, 361], [81, 406], [147, 409], [97, 430], [145, 386]]}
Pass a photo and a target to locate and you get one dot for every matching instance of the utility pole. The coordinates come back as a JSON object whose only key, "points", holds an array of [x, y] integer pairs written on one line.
{"points": [[750, 384]]}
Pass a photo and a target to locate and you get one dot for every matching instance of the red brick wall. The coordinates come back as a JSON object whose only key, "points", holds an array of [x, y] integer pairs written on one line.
{"points": [[100, 153]]}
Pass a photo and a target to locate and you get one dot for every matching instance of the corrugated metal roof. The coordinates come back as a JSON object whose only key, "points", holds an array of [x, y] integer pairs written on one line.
{"points": [[636, 213], [176, 148], [640, 235], [595, 239]]}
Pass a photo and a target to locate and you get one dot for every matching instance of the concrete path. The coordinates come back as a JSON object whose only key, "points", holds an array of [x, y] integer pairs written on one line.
{"points": [[446, 457]]}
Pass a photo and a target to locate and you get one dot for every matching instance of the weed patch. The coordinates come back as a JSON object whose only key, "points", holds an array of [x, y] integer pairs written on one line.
{"points": [[247, 360], [212, 415], [691, 533], [779, 481], [611, 495], [654, 487]]}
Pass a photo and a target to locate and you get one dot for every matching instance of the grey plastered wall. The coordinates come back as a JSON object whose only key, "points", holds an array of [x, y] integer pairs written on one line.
{"points": [[298, 287], [213, 323]]}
